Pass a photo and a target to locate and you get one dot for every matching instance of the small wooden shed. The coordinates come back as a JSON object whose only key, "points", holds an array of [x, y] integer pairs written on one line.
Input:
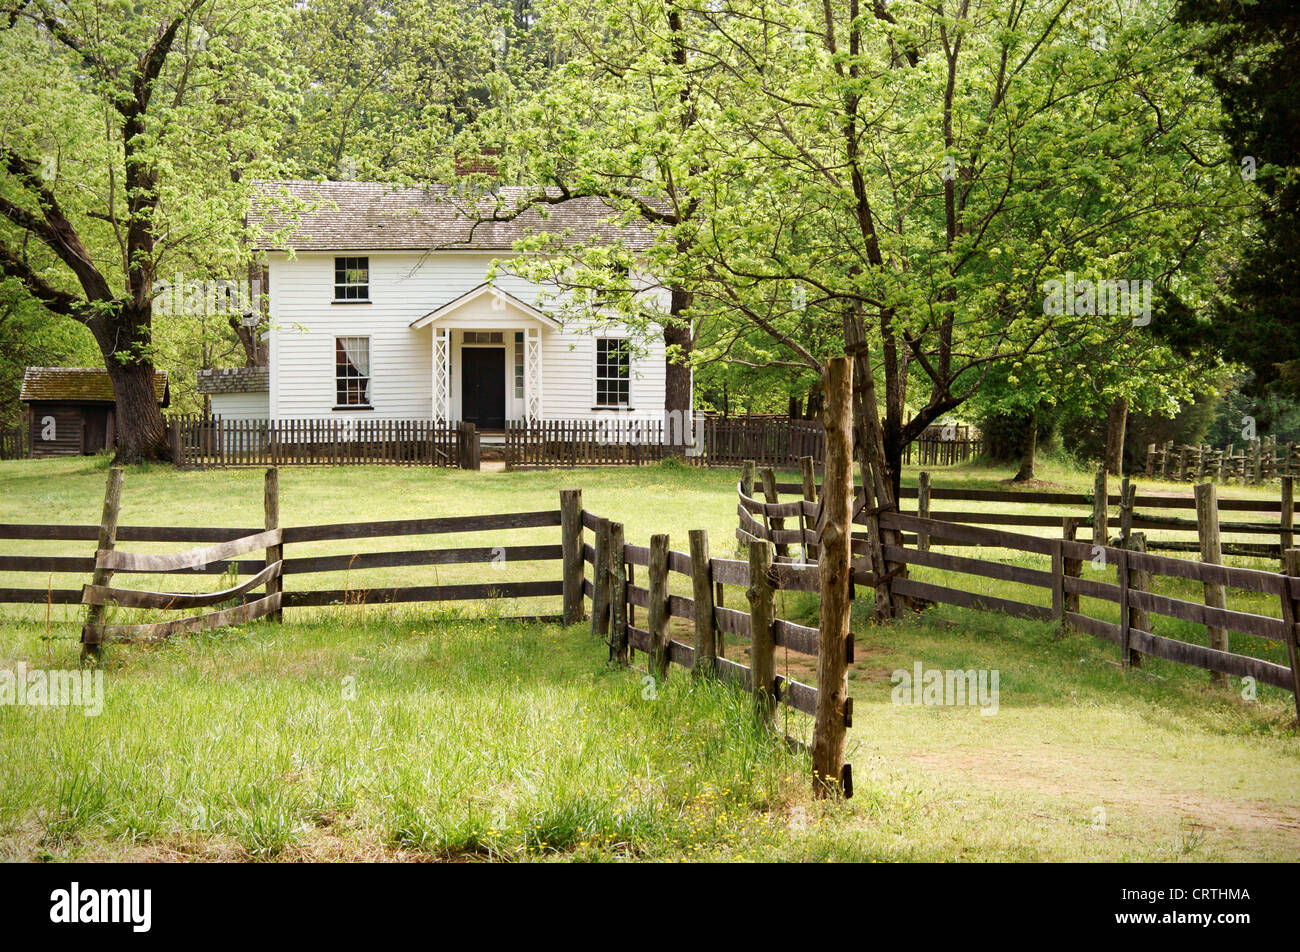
{"points": [[70, 410]]}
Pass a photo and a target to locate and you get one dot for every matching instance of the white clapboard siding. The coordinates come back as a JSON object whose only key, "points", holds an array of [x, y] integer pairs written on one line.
{"points": [[405, 286], [241, 406]]}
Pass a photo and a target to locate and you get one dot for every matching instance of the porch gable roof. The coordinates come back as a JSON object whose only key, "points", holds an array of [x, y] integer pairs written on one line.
{"points": [[484, 290]]}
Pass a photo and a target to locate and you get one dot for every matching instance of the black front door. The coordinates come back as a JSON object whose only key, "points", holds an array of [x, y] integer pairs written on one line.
{"points": [[483, 387]]}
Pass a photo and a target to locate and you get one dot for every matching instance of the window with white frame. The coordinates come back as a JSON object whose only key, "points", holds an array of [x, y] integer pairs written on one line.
{"points": [[519, 365], [613, 371], [352, 371], [351, 279], [483, 337]]}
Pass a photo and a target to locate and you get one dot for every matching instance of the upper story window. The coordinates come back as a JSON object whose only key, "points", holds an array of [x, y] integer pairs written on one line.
{"points": [[613, 371], [352, 279], [352, 371]]}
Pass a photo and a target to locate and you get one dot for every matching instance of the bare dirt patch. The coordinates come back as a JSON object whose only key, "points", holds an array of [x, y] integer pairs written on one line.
{"points": [[1056, 772]]}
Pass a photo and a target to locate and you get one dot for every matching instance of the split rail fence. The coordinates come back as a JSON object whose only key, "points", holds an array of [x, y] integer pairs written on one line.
{"points": [[615, 597], [1123, 512], [1131, 591]]}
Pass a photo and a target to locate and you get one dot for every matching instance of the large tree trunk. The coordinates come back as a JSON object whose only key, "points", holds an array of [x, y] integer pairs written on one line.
{"points": [[1029, 448], [141, 430], [1116, 425], [680, 341]]}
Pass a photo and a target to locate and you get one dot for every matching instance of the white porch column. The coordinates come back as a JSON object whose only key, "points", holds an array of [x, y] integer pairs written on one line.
{"points": [[533, 373], [441, 374]]}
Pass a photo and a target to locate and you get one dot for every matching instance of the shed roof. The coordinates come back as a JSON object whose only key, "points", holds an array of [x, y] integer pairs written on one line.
{"points": [[79, 385], [235, 380]]}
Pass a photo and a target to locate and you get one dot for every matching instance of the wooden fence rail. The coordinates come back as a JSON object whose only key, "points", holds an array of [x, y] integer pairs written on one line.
{"points": [[614, 601], [1130, 592], [1262, 517]]}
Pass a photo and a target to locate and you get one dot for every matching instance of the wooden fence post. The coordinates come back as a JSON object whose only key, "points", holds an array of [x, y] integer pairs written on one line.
{"points": [[274, 553], [1291, 615], [762, 648], [1139, 580], [835, 573], [808, 479], [1125, 618], [1070, 568], [571, 539], [1100, 508], [1058, 581], [774, 523], [1127, 495], [706, 642], [600, 583], [1207, 531], [1286, 536], [657, 610], [617, 595], [923, 508], [177, 445], [92, 630], [747, 477]]}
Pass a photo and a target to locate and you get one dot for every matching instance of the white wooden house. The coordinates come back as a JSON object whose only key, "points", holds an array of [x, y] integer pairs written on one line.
{"points": [[380, 308]]}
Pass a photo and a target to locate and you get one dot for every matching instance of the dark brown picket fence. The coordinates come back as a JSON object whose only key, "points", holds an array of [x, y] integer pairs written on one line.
{"points": [[13, 442], [213, 442], [1255, 461]]}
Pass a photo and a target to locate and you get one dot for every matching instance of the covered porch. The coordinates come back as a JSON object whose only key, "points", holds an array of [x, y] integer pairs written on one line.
{"points": [[486, 359]]}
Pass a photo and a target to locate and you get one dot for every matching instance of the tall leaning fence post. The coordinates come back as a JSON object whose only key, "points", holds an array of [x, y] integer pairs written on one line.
{"points": [[1207, 531], [706, 632], [657, 609], [617, 595], [835, 584], [762, 648], [571, 547], [92, 630], [274, 553], [600, 583], [1291, 615]]}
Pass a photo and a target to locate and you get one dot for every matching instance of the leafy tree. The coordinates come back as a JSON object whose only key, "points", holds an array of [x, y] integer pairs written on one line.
{"points": [[132, 128]]}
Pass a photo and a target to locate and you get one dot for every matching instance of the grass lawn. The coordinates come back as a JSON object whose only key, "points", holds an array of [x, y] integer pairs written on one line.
{"points": [[436, 732]]}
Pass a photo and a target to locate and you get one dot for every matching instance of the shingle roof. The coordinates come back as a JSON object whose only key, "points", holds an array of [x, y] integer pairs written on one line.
{"points": [[81, 384], [374, 216], [235, 380]]}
